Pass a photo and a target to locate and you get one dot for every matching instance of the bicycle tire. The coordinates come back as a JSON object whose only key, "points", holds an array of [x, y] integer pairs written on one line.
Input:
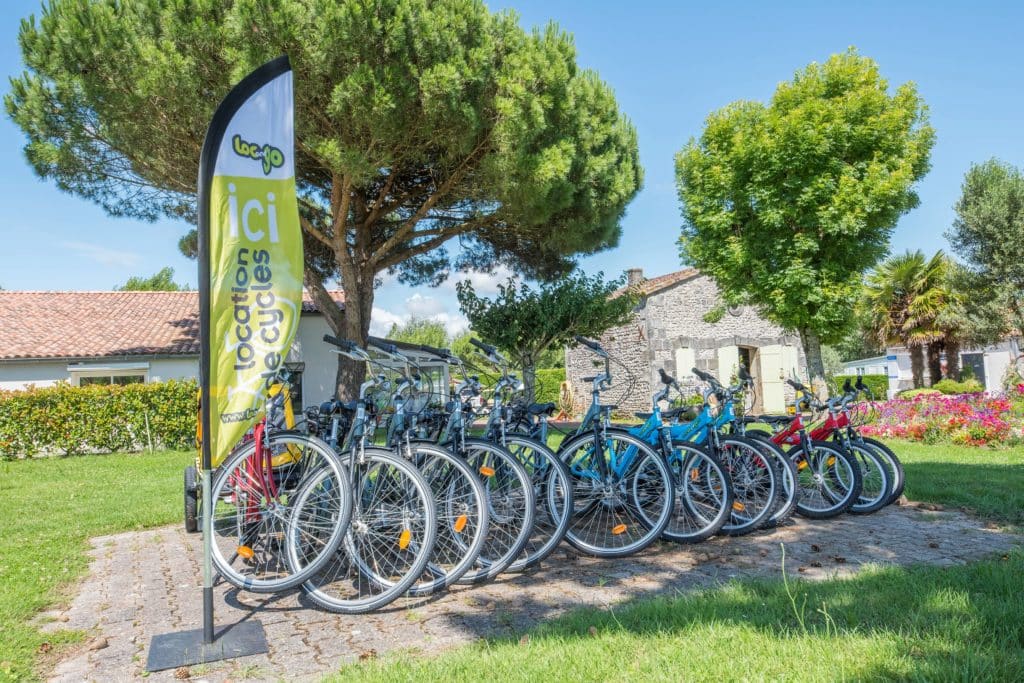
{"points": [[756, 484], [511, 505], [553, 496], [876, 483], [703, 494], [256, 517], [599, 524], [899, 476], [378, 561], [813, 487], [462, 516], [191, 500], [790, 492]]}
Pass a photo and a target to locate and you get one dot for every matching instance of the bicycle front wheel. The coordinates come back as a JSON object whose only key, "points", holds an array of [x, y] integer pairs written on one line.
{"points": [[755, 482], [389, 541], [828, 479], [274, 501], [703, 494], [622, 494]]}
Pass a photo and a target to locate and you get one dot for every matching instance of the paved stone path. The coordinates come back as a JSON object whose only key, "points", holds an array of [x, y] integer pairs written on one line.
{"points": [[145, 583]]}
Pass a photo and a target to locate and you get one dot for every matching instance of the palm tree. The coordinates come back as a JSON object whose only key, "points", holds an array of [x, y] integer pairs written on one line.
{"points": [[904, 296]]}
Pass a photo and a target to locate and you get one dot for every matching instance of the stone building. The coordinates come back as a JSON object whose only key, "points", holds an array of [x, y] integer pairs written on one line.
{"points": [[669, 331]]}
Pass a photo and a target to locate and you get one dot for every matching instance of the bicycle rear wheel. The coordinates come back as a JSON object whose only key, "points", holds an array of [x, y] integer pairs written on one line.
{"points": [[828, 479], [876, 483], [273, 501], [462, 516], [389, 541], [552, 493], [899, 477], [755, 483], [789, 493], [627, 510], [703, 494], [508, 491]]}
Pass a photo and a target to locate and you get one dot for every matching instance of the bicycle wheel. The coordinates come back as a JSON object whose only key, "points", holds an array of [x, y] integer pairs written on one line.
{"points": [[627, 510], [462, 516], [828, 479], [703, 494], [389, 541], [510, 507], [789, 494], [755, 483], [191, 500], [260, 518], [876, 483], [552, 493], [899, 477]]}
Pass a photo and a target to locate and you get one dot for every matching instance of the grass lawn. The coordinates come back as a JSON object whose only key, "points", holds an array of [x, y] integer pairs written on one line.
{"points": [[987, 481], [921, 622], [50, 508]]}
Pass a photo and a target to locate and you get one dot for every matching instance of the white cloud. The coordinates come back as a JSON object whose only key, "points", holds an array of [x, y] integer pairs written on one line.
{"points": [[103, 255], [484, 284], [382, 320], [420, 306]]}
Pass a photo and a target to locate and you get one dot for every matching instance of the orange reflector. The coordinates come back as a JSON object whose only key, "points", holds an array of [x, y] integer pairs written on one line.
{"points": [[738, 506], [694, 473], [802, 465], [487, 471], [831, 461], [616, 530], [460, 523], [403, 540], [245, 552]]}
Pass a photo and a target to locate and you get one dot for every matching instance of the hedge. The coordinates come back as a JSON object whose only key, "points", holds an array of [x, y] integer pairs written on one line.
{"points": [[97, 418], [549, 383], [878, 384]]}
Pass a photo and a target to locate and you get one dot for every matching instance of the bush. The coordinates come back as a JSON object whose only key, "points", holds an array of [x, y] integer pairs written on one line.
{"points": [[911, 393], [878, 384], [97, 418], [549, 383], [951, 386]]}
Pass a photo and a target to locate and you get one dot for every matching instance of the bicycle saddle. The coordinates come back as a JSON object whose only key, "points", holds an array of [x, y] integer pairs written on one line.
{"points": [[541, 408]]}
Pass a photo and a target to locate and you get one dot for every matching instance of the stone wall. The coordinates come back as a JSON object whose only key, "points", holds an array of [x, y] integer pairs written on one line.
{"points": [[666, 321]]}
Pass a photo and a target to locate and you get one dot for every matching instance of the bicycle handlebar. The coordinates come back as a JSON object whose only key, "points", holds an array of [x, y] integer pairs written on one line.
{"points": [[343, 344], [486, 348], [589, 343]]}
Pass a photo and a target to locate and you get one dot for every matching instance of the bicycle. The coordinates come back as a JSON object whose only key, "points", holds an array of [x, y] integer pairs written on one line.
{"points": [[394, 520], [622, 488]]}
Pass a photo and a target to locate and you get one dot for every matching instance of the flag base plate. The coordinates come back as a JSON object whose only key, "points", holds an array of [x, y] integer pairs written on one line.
{"points": [[186, 648]]}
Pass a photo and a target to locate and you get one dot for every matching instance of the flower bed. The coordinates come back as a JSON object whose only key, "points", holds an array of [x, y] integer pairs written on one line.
{"points": [[968, 419]]}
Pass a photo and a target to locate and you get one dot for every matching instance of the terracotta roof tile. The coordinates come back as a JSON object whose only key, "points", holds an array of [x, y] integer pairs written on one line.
{"points": [[103, 324], [656, 284]]}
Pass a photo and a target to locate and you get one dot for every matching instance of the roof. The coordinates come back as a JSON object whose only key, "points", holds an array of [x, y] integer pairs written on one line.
{"points": [[652, 285], [103, 324]]}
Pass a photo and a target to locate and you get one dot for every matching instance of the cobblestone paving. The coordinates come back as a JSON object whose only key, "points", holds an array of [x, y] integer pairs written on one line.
{"points": [[145, 583]]}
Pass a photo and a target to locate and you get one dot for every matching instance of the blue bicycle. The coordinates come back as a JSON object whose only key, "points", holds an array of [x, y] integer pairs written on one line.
{"points": [[622, 492]]}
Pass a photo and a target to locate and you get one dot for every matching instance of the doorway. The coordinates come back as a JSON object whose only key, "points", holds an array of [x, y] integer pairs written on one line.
{"points": [[751, 359], [976, 362]]}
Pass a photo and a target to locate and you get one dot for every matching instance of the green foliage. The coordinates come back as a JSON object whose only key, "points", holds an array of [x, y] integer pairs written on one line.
{"points": [[417, 122], [421, 331], [785, 205], [549, 384], [911, 393], [161, 281], [104, 418], [831, 361], [526, 321], [988, 232], [878, 384], [949, 386], [715, 315]]}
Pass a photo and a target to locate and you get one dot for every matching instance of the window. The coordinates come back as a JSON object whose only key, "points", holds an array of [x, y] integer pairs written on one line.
{"points": [[85, 374]]}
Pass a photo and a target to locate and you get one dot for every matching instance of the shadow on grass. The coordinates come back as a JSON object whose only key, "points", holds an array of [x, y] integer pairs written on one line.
{"points": [[992, 491]]}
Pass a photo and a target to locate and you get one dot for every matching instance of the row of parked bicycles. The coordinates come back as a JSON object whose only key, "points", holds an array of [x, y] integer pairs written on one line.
{"points": [[396, 493]]}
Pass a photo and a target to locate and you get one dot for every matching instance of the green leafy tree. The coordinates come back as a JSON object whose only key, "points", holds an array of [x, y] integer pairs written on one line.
{"points": [[161, 281], [988, 233], [785, 205], [419, 125], [421, 331], [527, 321]]}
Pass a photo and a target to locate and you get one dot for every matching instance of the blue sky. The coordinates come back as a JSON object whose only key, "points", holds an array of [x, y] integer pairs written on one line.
{"points": [[670, 64]]}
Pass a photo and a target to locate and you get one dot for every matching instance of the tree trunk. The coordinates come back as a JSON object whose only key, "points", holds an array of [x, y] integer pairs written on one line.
{"points": [[529, 379], [812, 350], [356, 327], [917, 365], [953, 359], [934, 363]]}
